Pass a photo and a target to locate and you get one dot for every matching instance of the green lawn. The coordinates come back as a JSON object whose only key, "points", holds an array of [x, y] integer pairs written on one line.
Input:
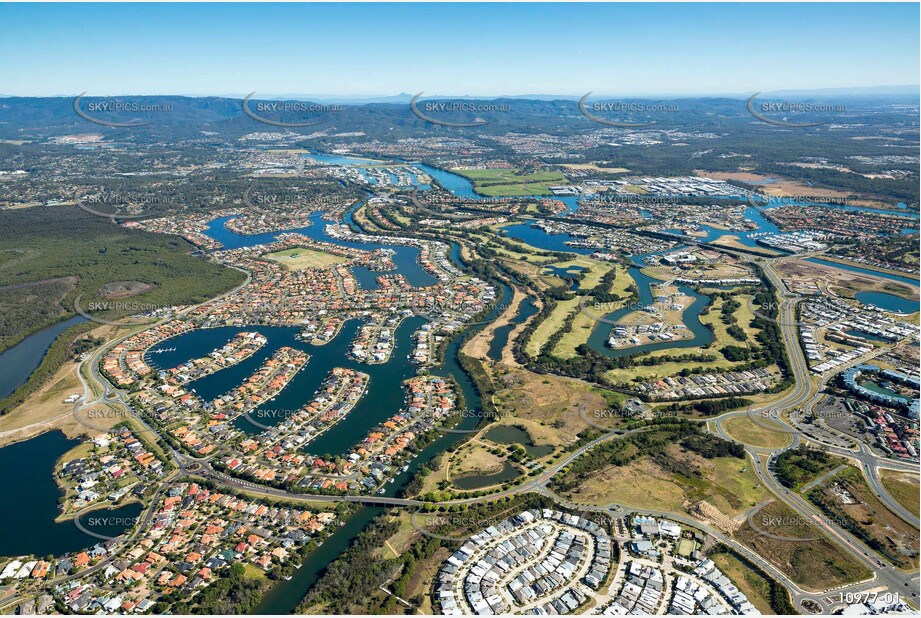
{"points": [[512, 182]]}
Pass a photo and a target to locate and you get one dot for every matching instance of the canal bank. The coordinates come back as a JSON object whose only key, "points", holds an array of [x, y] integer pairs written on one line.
{"points": [[29, 469]]}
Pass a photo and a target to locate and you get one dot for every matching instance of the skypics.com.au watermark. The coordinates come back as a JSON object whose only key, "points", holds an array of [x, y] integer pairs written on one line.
{"points": [[603, 111], [773, 201], [780, 527], [424, 111], [599, 311], [263, 111], [272, 416], [449, 307], [782, 109], [775, 419], [632, 200], [596, 416], [136, 313], [478, 414], [471, 524], [118, 205], [95, 525], [100, 418], [98, 111]]}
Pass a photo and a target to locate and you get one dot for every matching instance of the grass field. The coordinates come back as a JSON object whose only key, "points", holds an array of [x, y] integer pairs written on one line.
{"points": [[301, 258], [813, 563], [641, 484], [669, 483], [585, 321], [744, 316], [747, 431], [474, 458], [547, 406], [904, 488], [250, 570], [594, 271], [511, 182], [552, 324], [581, 330], [721, 339]]}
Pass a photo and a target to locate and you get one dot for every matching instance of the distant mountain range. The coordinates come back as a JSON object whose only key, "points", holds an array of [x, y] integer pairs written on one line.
{"points": [[214, 119], [405, 97]]}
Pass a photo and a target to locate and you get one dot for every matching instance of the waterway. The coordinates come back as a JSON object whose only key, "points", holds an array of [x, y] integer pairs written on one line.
{"points": [[701, 335], [38, 506], [902, 212], [882, 390], [286, 595], [536, 237], [383, 399], [500, 336], [18, 362], [479, 481], [405, 258], [464, 188], [27, 518], [510, 434], [868, 336], [454, 183], [889, 302]]}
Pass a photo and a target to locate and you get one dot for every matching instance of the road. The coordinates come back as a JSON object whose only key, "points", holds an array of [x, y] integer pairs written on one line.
{"points": [[804, 393]]}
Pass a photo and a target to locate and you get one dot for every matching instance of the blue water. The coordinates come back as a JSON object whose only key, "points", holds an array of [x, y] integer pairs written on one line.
{"points": [[690, 317], [456, 184], [462, 187], [406, 258], [536, 237], [867, 336], [898, 213], [745, 238], [602, 331], [888, 302], [18, 362], [285, 595], [32, 495], [345, 161], [526, 309], [340, 160], [565, 273]]}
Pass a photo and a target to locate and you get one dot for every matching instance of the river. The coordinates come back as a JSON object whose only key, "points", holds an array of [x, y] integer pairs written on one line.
{"points": [[18, 362]]}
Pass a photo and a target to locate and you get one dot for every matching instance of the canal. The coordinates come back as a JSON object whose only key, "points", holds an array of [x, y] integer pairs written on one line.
{"points": [[385, 395], [18, 362], [31, 506]]}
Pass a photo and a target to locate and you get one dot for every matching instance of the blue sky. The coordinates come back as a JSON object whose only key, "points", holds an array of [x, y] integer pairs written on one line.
{"points": [[454, 49]]}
